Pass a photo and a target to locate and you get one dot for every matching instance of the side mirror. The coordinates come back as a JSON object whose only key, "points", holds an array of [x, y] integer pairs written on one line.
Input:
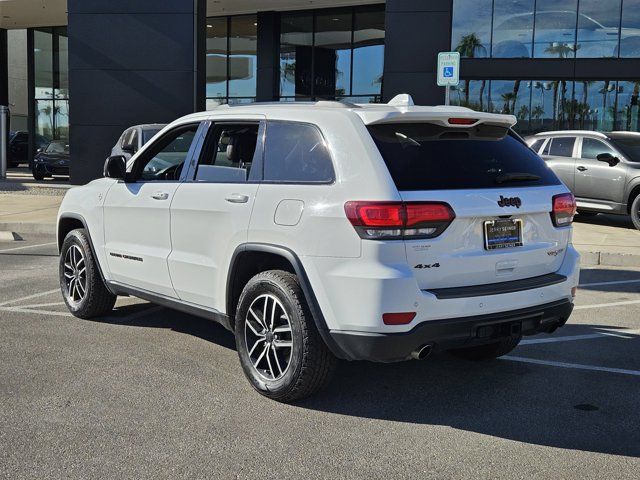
{"points": [[608, 158], [115, 167], [129, 148]]}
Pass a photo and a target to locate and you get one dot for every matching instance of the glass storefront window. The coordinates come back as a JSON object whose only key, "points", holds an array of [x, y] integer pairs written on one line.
{"points": [[630, 34], [216, 62], [555, 29], [231, 59], [296, 40], [512, 29], [368, 51], [598, 28], [332, 54], [471, 29], [243, 64], [43, 63]]}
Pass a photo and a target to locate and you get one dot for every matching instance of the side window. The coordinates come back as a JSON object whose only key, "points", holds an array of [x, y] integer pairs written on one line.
{"points": [[296, 152], [124, 139], [164, 159], [561, 146], [535, 146], [591, 148], [134, 139], [228, 153]]}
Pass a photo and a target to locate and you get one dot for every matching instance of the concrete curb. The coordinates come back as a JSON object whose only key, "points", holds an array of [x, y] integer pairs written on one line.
{"points": [[609, 259], [28, 227]]}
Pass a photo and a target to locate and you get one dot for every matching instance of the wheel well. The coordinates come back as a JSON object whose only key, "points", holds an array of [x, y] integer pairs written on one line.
{"points": [[632, 196], [246, 266], [65, 225]]}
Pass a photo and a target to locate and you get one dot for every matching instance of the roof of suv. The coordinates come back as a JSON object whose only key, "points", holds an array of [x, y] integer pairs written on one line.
{"points": [[399, 109]]}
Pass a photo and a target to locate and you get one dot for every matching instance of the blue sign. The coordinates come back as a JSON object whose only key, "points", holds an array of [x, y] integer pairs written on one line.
{"points": [[447, 72]]}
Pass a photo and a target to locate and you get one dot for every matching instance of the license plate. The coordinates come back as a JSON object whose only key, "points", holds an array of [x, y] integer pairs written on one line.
{"points": [[502, 233]]}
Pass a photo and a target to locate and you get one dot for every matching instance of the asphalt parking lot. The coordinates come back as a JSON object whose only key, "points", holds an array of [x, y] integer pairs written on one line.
{"points": [[149, 392]]}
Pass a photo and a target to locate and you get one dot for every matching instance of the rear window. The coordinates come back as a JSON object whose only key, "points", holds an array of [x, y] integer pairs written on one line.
{"points": [[560, 146], [424, 156]]}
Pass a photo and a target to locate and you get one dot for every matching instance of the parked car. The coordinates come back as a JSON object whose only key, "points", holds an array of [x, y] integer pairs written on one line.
{"points": [[601, 169], [18, 147], [318, 231], [53, 160], [133, 138]]}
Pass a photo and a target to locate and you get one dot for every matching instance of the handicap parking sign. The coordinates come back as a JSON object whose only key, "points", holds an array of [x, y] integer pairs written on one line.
{"points": [[448, 69]]}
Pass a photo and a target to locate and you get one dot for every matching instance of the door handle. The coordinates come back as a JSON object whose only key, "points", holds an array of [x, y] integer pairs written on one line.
{"points": [[582, 169], [237, 198], [160, 196]]}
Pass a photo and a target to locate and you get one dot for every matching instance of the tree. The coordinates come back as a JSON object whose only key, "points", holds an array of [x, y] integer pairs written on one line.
{"points": [[507, 98], [468, 46]]}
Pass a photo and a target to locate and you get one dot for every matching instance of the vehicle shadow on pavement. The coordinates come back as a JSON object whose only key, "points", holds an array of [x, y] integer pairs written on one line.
{"points": [[536, 404], [621, 221]]}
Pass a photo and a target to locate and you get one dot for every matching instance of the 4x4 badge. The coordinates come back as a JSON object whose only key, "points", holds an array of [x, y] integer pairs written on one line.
{"points": [[509, 202]]}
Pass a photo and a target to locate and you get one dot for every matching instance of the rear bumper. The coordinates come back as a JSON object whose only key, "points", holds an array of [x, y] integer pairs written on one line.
{"points": [[452, 333]]}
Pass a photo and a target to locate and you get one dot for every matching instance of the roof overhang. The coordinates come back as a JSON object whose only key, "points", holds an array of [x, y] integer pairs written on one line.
{"points": [[16, 14]]}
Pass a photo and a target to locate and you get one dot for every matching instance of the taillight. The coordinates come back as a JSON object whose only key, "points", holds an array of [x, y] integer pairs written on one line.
{"points": [[397, 220], [564, 209]]}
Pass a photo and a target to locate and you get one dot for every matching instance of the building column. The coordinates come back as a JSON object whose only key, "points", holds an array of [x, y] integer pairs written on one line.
{"points": [[268, 57], [414, 34], [130, 63], [4, 68]]}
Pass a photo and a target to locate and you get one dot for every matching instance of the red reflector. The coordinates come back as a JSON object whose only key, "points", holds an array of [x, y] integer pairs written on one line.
{"points": [[398, 318], [462, 121]]}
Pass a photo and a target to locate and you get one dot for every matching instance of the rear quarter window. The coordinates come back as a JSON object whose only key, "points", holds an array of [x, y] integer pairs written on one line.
{"points": [[296, 153], [424, 156]]}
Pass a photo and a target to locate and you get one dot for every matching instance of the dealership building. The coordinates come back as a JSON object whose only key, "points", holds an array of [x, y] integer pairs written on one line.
{"points": [[82, 71]]}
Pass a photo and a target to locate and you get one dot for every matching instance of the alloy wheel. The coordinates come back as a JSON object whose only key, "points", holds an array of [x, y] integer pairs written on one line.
{"points": [[75, 274], [268, 337]]}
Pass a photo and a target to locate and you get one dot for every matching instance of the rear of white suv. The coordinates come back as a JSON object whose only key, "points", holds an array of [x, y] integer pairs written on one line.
{"points": [[474, 252]]}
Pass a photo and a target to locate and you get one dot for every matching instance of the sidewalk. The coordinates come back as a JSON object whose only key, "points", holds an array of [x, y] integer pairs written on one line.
{"points": [[602, 240]]}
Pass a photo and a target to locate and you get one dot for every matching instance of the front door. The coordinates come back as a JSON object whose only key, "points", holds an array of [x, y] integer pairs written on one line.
{"points": [[596, 180], [137, 216], [211, 211]]}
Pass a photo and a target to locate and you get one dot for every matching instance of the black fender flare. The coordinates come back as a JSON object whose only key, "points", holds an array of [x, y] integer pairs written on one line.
{"points": [[305, 284]]}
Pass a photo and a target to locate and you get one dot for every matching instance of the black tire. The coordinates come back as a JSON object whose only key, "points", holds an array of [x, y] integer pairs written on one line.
{"points": [[96, 300], [37, 175], [635, 212], [587, 213], [489, 351], [310, 364]]}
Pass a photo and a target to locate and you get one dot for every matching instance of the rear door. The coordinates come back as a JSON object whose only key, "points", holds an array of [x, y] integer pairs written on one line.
{"points": [[211, 210], [488, 181], [560, 154], [596, 180]]}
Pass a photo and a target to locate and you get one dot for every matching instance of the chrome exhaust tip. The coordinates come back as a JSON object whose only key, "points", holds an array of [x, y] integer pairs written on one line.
{"points": [[422, 352]]}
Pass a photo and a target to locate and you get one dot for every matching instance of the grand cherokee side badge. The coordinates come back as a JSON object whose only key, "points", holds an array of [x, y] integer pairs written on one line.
{"points": [[509, 202]]}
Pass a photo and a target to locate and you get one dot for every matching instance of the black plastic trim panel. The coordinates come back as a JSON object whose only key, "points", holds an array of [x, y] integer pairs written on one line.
{"points": [[497, 288]]}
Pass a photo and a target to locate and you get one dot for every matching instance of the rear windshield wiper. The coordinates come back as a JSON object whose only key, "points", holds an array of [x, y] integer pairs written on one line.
{"points": [[516, 177]]}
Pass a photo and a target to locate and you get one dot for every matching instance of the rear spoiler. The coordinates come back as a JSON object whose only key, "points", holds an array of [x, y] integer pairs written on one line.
{"points": [[450, 117]]}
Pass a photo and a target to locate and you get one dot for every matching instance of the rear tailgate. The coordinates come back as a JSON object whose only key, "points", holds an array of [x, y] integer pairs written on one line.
{"points": [[459, 256], [500, 191]]}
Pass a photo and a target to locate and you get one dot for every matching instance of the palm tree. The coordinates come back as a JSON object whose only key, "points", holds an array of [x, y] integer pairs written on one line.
{"points": [[538, 113], [516, 87], [468, 46], [482, 87], [562, 50], [507, 98]]}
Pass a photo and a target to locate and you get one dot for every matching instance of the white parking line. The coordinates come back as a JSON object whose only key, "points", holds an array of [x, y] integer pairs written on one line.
{"points": [[614, 282], [604, 305], [36, 305], [27, 246], [29, 297], [576, 366], [30, 310], [586, 336]]}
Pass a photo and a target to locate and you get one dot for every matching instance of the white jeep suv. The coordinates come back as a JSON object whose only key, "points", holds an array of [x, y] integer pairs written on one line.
{"points": [[323, 231]]}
